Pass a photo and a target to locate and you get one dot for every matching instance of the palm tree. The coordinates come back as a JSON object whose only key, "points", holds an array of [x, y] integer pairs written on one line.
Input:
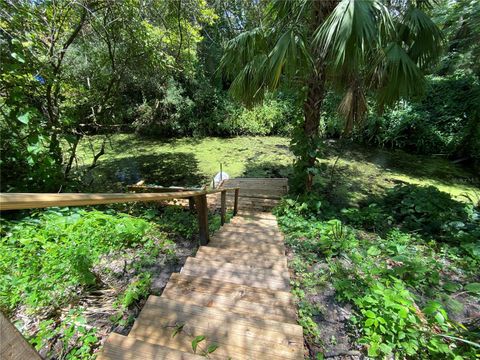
{"points": [[355, 46]]}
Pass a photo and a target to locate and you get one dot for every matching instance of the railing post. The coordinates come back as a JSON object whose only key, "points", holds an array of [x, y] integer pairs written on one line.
{"points": [[235, 203], [223, 206], [191, 204], [202, 213]]}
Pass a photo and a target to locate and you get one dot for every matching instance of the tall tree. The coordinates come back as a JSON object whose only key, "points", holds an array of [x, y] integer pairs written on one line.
{"points": [[355, 46]]}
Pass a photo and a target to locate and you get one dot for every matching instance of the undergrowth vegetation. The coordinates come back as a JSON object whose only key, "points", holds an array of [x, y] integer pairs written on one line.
{"points": [[405, 263], [71, 275]]}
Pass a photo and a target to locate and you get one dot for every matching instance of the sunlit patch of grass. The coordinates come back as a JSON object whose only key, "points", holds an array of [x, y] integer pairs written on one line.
{"points": [[187, 161], [358, 172]]}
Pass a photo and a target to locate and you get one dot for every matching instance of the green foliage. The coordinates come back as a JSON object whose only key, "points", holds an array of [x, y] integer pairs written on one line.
{"points": [[76, 337], [101, 61], [398, 282], [430, 211], [46, 258], [271, 117], [136, 290], [444, 121]]}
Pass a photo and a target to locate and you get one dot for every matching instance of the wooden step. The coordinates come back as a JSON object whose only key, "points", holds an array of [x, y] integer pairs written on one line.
{"points": [[251, 228], [248, 237], [245, 240], [255, 200], [262, 249], [224, 266], [266, 223], [242, 258], [237, 336], [238, 299], [239, 228], [259, 220], [119, 347], [258, 214], [262, 278]]}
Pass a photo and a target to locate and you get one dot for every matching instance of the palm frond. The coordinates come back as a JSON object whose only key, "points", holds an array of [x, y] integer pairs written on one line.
{"points": [[287, 56], [352, 30], [397, 75], [249, 85], [242, 49], [426, 37], [256, 62], [353, 106]]}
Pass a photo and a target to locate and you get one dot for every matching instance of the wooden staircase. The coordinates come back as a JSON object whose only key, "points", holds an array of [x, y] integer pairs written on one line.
{"points": [[234, 292], [257, 194]]}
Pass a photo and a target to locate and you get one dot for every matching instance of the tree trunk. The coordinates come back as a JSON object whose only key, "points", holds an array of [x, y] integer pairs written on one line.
{"points": [[312, 107], [312, 112]]}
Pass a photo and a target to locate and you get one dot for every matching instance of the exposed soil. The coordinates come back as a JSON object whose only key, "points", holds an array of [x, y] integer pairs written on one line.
{"points": [[333, 321]]}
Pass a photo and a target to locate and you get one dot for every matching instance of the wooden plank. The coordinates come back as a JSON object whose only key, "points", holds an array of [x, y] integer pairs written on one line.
{"points": [[119, 347], [15, 201], [160, 189], [237, 336], [243, 258], [249, 202], [257, 214], [243, 302], [245, 292], [247, 229], [263, 249], [13, 346], [235, 202], [255, 222], [30, 200], [220, 266], [235, 235], [245, 179], [252, 192], [246, 239], [172, 309], [255, 226], [262, 278]]}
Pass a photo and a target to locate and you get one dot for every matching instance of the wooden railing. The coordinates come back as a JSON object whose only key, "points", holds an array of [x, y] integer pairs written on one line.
{"points": [[12, 343], [16, 201]]}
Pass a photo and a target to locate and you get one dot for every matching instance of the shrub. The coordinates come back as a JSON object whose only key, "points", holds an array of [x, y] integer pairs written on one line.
{"points": [[429, 210], [273, 116], [45, 258], [445, 120]]}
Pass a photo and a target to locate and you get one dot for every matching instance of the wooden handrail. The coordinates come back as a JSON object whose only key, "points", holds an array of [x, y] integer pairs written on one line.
{"points": [[16, 201], [160, 189]]}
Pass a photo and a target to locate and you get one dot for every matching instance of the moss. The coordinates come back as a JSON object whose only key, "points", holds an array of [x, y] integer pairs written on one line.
{"points": [[181, 162], [358, 172]]}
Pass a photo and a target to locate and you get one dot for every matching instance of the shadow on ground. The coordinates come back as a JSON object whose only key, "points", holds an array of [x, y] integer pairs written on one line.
{"points": [[166, 169], [266, 169]]}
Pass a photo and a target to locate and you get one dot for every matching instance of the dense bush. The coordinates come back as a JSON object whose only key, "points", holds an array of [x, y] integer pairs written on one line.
{"points": [[431, 212], [209, 111], [273, 117], [445, 121], [45, 259], [403, 286]]}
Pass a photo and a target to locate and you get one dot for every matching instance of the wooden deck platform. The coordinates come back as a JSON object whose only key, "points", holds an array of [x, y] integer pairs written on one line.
{"points": [[234, 292]]}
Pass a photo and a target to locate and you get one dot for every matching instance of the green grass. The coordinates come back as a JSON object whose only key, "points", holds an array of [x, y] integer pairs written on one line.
{"points": [[358, 172], [182, 162]]}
